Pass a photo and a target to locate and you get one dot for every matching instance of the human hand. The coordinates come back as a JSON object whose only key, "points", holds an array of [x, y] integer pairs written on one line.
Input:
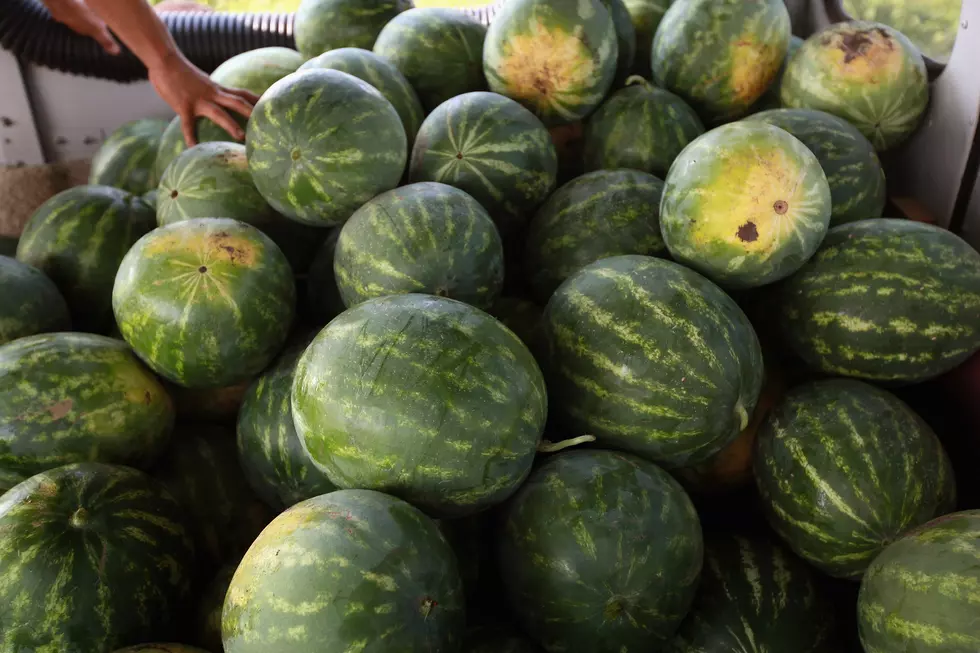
{"points": [[193, 94], [77, 16]]}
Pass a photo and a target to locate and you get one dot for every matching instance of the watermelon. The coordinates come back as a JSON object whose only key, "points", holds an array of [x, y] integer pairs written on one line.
{"points": [[844, 468], [93, 557], [255, 71], [77, 397], [321, 143], [641, 127], [492, 148], [920, 593], [720, 55], [438, 50], [755, 595], [212, 180], [125, 160], [770, 99], [556, 57], [646, 16], [885, 300], [601, 214], [323, 25], [201, 471], [854, 172], [269, 451], [78, 239], [625, 38], [205, 302], [161, 648], [382, 75], [344, 570], [31, 302], [652, 358], [210, 603], [746, 204], [866, 73], [422, 238], [600, 551], [440, 404], [323, 302]]}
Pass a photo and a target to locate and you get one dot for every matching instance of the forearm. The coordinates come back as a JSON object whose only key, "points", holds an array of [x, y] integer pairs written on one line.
{"points": [[138, 26]]}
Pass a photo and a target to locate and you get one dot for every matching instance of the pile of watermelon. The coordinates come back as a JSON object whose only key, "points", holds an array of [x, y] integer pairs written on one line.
{"points": [[592, 331]]}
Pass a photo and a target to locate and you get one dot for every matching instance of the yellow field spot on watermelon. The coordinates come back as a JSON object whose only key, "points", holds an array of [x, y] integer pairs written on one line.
{"points": [[754, 65], [868, 56], [204, 247], [542, 65]]}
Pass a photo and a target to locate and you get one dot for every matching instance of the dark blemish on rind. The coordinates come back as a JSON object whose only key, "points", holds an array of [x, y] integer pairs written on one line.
{"points": [[147, 398], [780, 207], [855, 44], [748, 232]]}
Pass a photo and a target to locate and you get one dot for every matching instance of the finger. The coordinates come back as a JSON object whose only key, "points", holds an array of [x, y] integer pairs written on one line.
{"points": [[104, 38], [221, 118], [187, 125], [234, 102], [249, 96]]}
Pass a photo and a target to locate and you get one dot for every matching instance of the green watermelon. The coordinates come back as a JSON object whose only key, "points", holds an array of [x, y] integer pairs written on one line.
{"points": [[210, 603], [652, 358], [382, 75], [556, 57], [920, 594], [492, 148], [641, 127], [161, 648], [77, 397], [205, 302], [438, 50], [600, 551], [770, 99], [269, 451], [866, 73], [625, 38], [844, 468], [720, 55], [255, 71], [600, 214], [125, 160], [439, 403], [885, 300], [745, 204], [321, 143], [31, 302], [422, 238], [78, 239], [854, 172], [93, 557], [344, 571], [212, 180], [646, 16], [755, 595], [323, 302], [201, 471], [323, 25]]}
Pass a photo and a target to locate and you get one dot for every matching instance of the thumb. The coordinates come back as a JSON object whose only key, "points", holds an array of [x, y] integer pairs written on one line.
{"points": [[105, 39]]}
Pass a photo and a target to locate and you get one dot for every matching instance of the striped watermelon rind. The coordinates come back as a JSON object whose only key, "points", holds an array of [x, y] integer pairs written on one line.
{"points": [[492, 148], [652, 358], [206, 303], [595, 216], [770, 99], [112, 561], [460, 438], [885, 300], [323, 25], [843, 468], [126, 159], [439, 51], [866, 73], [381, 74], [321, 143], [78, 239], [421, 238], [602, 551], [625, 39], [854, 171], [720, 55], [639, 126], [78, 397], [919, 594], [746, 204], [343, 569], [556, 57], [31, 302]]}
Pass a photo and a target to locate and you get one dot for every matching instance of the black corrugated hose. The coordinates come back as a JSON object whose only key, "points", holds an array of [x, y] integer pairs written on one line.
{"points": [[207, 39]]}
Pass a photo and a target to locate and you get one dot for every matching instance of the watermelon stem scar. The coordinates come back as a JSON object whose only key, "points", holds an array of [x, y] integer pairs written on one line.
{"points": [[427, 606], [547, 446], [79, 518]]}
